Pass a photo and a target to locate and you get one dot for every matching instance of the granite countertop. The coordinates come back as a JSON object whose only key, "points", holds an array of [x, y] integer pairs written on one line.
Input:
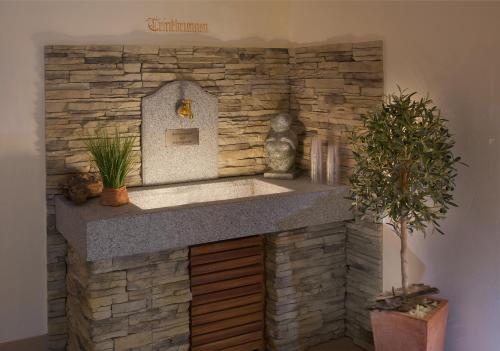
{"points": [[99, 232]]}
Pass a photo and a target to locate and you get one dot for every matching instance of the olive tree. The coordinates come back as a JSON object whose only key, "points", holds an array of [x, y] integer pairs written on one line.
{"points": [[405, 168]]}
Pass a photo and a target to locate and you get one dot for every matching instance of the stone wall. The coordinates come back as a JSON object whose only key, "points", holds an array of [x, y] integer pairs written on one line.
{"points": [[306, 285], [93, 86], [135, 302], [319, 281], [364, 278], [89, 87], [331, 87]]}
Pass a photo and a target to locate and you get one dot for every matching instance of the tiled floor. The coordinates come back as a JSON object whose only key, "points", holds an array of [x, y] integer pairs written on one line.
{"points": [[38, 344], [343, 344]]}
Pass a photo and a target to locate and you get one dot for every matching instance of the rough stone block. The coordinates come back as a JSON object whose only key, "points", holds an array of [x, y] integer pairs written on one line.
{"points": [[109, 318], [133, 341], [159, 77], [325, 83], [141, 49], [362, 67]]}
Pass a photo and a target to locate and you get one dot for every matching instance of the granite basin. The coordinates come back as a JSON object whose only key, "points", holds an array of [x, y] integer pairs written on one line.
{"points": [[176, 216], [175, 195]]}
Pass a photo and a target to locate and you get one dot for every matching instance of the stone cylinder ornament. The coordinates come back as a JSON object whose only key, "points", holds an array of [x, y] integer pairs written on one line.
{"points": [[281, 148], [316, 160], [332, 164]]}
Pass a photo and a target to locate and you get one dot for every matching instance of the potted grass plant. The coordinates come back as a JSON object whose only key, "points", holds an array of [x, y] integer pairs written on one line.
{"points": [[405, 173], [113, 157]]}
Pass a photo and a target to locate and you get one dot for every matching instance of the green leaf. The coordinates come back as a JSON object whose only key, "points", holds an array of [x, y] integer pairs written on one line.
{"points": [[405, 167], [113, 156]]}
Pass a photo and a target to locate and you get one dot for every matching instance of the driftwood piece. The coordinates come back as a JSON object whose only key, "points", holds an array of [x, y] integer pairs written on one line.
{"points": [[397, 300], [80, 187]]}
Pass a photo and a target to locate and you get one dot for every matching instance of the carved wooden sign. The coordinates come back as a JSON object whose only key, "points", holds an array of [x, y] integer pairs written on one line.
{"points": [[155, 24]]}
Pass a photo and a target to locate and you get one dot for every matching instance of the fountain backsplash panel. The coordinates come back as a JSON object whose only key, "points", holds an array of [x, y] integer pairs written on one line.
{"points": [[177, 148]]}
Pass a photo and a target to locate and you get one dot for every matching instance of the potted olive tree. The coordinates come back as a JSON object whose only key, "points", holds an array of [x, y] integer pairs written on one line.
{"points": [[112, 155], [405, 173]]}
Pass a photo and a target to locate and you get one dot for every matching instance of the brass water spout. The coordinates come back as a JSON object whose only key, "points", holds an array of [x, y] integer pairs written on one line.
{"points": [[184, 110]]}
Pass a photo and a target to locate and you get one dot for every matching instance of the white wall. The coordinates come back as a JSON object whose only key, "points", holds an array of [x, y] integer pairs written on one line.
{"points": [[24, 29], [448, 49]]}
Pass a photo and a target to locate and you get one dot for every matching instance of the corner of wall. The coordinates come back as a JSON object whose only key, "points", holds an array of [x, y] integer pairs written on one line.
{"points": [[364, 278]]}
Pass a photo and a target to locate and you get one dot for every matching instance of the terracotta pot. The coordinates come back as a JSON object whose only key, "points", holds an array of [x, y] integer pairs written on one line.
{"points": [[114, 197], [397, 331]]}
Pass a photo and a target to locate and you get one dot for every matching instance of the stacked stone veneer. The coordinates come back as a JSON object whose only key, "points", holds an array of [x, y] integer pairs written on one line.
{"points": [[306, 285], [318, 282], [331, 87], [364, 278], [87, 87], [129, 303]]}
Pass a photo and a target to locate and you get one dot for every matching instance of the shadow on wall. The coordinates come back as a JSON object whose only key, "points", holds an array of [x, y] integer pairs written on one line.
{"points": [[146, 38], [22, 235], [22, 213], [182, 40]]}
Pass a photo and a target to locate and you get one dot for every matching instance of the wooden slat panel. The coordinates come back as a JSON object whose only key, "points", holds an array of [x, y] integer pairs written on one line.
{"points": [[225, 265], [227, 284], [226, 324], [226, 314], [225, 275], [230, 342], [226, 294], [226, 245], [225, 255], [226, 333], [225, 304], [251, 346]]}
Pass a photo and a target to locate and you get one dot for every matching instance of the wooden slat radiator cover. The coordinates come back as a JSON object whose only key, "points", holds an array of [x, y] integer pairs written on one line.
{"points": [[228, 287]]}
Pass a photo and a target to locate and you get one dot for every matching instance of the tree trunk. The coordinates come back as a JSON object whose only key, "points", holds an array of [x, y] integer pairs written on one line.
{"points": [[404, 237], [404, 253]]}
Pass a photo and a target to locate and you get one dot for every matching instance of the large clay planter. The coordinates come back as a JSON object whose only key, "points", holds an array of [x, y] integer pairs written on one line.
{"points": [[114, 197], [396, 331]]}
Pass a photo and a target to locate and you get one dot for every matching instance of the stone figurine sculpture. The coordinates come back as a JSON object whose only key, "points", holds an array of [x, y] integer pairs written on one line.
{"points": [[281, 148]]}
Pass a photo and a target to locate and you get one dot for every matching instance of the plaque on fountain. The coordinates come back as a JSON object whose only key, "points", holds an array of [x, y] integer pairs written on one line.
{"points": [[179, 134], [186, 136]]}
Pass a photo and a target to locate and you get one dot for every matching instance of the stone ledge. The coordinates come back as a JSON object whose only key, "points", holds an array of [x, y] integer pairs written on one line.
{"points": [[98, 232]]}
